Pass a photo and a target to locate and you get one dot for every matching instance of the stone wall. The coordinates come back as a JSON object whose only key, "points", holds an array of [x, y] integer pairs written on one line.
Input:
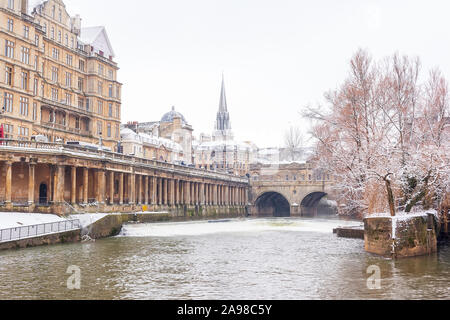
{"points": [[65, 237], [412, 236]]}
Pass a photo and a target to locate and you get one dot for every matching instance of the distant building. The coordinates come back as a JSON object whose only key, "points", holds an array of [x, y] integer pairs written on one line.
{"points": [[220, 151], [169, 139]]}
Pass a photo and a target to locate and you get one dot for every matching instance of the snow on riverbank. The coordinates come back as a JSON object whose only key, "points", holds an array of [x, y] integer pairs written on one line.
{"points": [[88, 219], [20, 219]]}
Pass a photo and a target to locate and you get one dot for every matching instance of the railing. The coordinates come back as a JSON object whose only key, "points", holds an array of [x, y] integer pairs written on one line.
{"points": [[19, 233], [105, 155]]}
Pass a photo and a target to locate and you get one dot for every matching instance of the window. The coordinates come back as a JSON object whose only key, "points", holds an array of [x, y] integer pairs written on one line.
{"points": [[24, 80], [10, 25], [110, 91], [80, 102], [26, 32], [36, 40], [34, 111], [100, 107], [9, 130], [68, 79], [68, 99], [26, 55], [53, 12], [9, 49], [55, 53], [45, 28], [117, 131], [59, 37], [60, 15], [24, 106], [72, 43], [109, 130], [81, 65], [35, 87], [69, 59], [111, 74], [110, 110], [80, 84], [100, 88], [118, 112], [23, 131], [9, 75], [55, 94], [36, 62], [99, 128], [8, 102], [54, 74], [100, 69], [11, 4], [88, 104], [52, 34], [77, 123]]}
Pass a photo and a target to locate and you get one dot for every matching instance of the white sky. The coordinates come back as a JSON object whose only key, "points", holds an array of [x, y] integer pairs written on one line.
{"points": [[277, 55]]}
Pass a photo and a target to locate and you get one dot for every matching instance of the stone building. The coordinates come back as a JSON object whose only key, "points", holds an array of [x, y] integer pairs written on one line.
{"points": [[150, 147], [173, 133], [220, 151], [58, 80]]}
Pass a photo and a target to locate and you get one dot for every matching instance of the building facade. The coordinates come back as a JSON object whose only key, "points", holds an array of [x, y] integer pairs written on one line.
{"points": [[57, 79]]}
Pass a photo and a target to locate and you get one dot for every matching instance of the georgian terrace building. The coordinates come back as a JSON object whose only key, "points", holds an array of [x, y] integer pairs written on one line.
{"points": [[57, 79]]}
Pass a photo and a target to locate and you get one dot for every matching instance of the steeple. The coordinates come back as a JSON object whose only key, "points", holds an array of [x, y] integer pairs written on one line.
{"points": [[223, 125], [223, 99]]}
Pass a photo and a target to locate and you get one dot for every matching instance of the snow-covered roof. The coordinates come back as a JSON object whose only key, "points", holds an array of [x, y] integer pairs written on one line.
{"points": [[229, 145], [32, 4], [98, 38], [143, 138]]}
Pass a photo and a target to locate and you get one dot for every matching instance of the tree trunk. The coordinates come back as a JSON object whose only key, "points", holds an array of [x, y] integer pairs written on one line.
{"points": [[390, 196]]}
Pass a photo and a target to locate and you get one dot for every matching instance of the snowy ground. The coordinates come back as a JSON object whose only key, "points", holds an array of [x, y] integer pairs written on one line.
{"points": [[20, 219]]}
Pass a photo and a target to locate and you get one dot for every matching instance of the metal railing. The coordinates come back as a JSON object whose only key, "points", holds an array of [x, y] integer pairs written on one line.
{"points": [[19, 233]]}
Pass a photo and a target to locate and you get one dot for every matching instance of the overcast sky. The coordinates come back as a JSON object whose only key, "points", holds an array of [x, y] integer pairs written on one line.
{"points": [[277, 55]]}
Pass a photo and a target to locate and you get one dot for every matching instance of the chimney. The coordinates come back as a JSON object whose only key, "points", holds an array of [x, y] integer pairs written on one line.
{"points": [[76, 24], [24, 7]]}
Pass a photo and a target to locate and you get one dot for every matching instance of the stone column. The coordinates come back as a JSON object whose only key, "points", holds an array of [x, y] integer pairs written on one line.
{"points": [[139, 191], [196, 193], [202, 194], [214, 194], [59, 184], [73, 186], [111, 187], [172, 192], [159, 191], [146, 190], [121, 188], [132, 188], [31, 170], [182, 197], [85, 185], [154, 192], [188, 193], [101, 186]]}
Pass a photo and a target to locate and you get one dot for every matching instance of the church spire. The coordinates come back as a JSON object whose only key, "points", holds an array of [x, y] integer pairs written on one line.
{"points": [[223, 125], [223, 98]]}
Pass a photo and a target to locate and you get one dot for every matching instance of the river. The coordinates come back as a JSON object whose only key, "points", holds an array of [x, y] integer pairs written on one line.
{"points": [[256, 259]]}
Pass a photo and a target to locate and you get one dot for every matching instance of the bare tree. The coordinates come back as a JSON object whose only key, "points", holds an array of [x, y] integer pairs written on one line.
{"points": [[294, 142], [383, 135]]}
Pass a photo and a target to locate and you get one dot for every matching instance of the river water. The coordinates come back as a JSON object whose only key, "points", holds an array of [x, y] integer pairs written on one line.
{"points": [[256, 259]]}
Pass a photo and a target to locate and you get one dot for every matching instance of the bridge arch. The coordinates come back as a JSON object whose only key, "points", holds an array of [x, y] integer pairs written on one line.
{"points": [[313, 203], [273, 204]]}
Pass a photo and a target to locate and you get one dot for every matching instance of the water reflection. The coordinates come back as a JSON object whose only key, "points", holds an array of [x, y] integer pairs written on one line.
{"points": [[242, 259]]}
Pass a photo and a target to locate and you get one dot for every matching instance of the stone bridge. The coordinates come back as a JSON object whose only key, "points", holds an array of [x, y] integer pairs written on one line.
{"points": [[290, 190], [53, 178]]}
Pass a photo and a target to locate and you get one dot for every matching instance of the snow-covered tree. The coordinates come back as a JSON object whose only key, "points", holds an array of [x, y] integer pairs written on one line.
{"points": [[385, 136]]}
